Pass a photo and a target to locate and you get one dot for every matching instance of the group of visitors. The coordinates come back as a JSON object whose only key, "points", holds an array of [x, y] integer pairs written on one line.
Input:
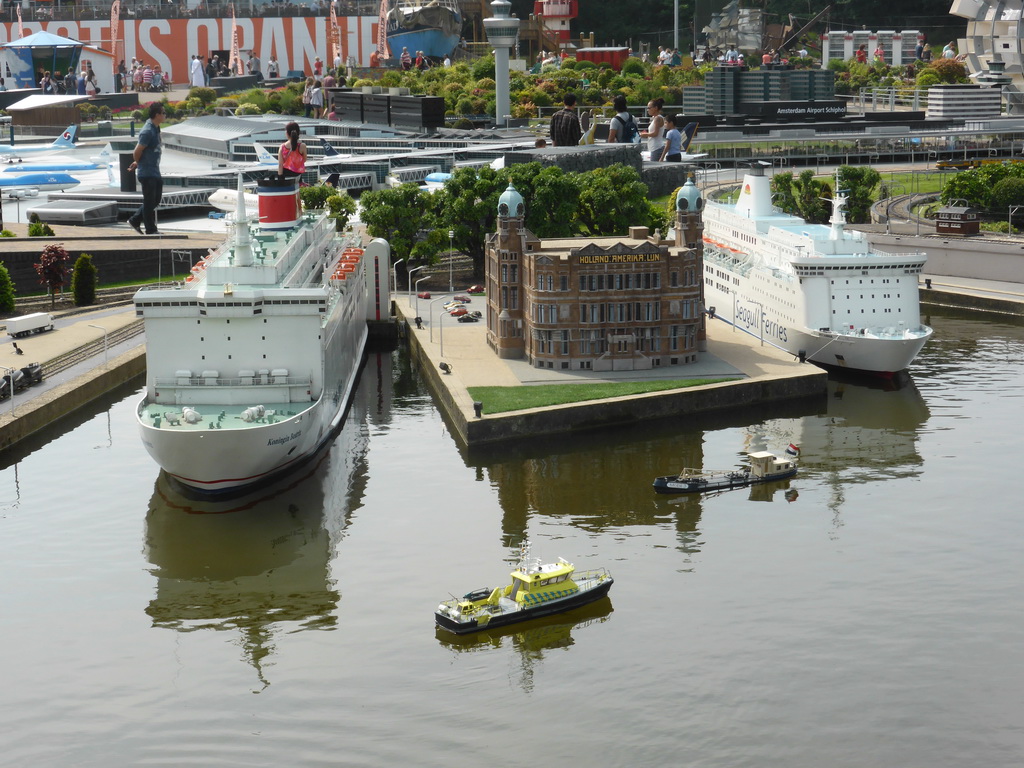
{"points": [[141, 77], [664, 140], [70, 84]]}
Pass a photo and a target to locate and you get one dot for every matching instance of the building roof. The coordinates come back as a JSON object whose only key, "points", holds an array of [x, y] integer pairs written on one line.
{"points": [[39, 100]]}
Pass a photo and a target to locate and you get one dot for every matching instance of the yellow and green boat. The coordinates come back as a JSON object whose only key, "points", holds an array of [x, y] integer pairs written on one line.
{"points": [[537, 589]]}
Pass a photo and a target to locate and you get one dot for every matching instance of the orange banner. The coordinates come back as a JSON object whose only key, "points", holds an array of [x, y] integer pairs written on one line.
{"points": [[296, 41]]}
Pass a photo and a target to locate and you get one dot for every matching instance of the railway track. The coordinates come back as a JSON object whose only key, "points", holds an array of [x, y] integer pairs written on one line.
{"points": [[81, 354]]}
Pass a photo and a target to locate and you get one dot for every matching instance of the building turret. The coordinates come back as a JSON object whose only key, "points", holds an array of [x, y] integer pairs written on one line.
{"points": [[504, 277]]}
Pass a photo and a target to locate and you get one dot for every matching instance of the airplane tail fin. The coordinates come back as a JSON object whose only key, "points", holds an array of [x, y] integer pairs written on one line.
{"points": [[262, 155], [689, 132], [67, 139], [329, 151]]}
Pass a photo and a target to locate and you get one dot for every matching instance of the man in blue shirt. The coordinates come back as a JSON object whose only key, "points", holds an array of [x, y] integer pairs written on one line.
{"points": [[147, 167]]}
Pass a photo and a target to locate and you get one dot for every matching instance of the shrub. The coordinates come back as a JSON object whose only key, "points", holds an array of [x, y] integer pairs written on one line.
{"points": [[39, 229], [206, 95], [464, 106], [7, 233], [483, 67], [634, 66], [1009, 191], [6, 288], [463, 124], [315, 197], [83, 281], [227, 102], [341, 206], [248, 109], [927, 79], [583, 64]]}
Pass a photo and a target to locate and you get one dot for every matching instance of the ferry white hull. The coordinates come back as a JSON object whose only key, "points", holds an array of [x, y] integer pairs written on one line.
{"points": [[818, 292], [873, 353], [251, 364], [215, 461]]}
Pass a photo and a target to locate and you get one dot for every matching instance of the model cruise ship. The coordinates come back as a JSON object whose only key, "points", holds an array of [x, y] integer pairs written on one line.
{"points": [[814, 290], [251, 362]]}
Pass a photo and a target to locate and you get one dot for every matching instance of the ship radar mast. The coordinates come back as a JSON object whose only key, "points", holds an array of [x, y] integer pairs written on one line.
{"points": [[242, 250], [838, 220]]}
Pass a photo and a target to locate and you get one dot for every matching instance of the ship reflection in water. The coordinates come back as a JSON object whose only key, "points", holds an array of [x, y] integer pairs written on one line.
{"points": [[533, 640], [259, 564]]}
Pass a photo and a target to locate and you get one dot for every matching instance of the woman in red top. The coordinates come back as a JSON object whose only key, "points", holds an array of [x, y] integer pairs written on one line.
{"points": [[291, 158], [862, 55]]}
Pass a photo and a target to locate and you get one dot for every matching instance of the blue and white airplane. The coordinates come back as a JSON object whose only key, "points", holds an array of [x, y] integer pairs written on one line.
{"points": [[31, 184], [263, 157], [63, 142]]}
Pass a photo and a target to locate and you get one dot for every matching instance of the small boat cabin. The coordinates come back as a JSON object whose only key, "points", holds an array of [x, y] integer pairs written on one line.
{"points": [[764, 463]]}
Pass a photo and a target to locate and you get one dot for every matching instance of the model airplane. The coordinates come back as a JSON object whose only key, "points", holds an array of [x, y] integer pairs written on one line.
{"points": [[65, 141], [31, 184], [689, 132]]}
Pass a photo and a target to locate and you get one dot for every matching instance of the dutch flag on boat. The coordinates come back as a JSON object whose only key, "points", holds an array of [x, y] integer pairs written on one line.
{"points": [[793, 450]]}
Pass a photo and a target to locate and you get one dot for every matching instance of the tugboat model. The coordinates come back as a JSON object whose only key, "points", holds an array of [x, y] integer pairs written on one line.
{"points": [[765, 467], [536, 590]]}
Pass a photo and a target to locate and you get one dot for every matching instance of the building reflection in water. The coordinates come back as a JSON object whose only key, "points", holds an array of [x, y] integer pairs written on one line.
{"points": [[259, 564]]}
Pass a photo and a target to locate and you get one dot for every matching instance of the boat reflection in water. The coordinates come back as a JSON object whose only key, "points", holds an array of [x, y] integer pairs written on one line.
{"points": [[259, 564], [534, 640]]}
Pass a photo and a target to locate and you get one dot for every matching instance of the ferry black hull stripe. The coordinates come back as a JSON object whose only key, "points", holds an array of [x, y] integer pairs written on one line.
{"points": [[527, 614]]}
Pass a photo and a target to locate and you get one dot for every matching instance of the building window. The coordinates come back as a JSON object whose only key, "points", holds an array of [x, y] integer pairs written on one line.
{"points": [[504, 297], [583, 282], [563, 282], [583, 313], [674, 337], [673, 279], [551, 282], [565, 342], [515, 273], [504, 273], [600, 282], [540, 282], [514, 299], [618, 282]]}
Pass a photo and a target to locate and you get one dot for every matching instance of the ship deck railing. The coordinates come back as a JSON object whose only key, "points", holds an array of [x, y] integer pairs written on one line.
{"points": [[257, 381]]}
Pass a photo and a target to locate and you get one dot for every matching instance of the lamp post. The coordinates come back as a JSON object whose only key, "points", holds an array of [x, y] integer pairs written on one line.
{"points": [[451, 255], [394, 276], [408, 276], [440, 332], [430, 315], [101, 328], [418, 293]]}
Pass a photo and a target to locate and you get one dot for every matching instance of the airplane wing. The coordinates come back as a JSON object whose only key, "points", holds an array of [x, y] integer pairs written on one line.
{"points": [[588, 121]]}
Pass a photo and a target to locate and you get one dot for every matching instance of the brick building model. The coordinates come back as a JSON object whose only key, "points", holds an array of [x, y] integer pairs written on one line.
{"points": [[599, 304]]}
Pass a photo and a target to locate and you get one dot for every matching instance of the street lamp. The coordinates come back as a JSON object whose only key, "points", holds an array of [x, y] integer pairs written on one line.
{"points": [[425, 277], [430, 315], [451, 249], [408, 277], [394, 276], [101, 328], [440, 332]]}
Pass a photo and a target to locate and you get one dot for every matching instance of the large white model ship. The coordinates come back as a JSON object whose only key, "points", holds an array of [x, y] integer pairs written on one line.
{"points": [[251, 362], [817, 291]]}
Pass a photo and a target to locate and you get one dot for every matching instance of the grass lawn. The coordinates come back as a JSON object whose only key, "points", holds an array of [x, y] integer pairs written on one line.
{"points": [[505, 399]]}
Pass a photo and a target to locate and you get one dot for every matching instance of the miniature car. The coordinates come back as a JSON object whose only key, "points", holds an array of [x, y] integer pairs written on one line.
{"points": [[466, 299], [468, 319], [423, 295], [475, 289], [458, 312]]}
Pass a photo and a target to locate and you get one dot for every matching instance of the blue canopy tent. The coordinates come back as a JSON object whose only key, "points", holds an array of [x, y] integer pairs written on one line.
{"points": [[30, 56]]}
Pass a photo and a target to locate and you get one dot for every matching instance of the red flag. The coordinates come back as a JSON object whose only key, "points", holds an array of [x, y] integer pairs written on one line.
{"points": [[115, 24], [382, 30], [21, 29]]}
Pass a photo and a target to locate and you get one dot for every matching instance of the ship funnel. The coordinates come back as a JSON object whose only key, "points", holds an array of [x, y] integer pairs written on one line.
{"points": [[755, 194], [242, 250], [278, 202]]}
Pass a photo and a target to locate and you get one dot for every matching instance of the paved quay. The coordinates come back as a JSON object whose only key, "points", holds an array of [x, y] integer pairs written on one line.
{"points": [[99, 371], [756, 374]]}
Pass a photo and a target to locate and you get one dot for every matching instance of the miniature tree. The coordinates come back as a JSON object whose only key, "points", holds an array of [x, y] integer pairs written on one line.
{"points": [[52, 269], [83, 281], [6, 290]]}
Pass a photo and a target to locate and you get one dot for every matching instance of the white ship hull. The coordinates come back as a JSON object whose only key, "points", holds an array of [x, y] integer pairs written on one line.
{"points": [[818, 292], [251, 364]]}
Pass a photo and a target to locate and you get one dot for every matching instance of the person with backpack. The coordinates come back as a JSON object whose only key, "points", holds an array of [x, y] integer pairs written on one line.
{"points": [[622, 129]]}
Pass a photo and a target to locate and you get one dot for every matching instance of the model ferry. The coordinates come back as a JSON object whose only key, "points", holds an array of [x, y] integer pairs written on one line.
{"points": [[764, 467], [250, 363], [536, 590], [819, 292]]}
